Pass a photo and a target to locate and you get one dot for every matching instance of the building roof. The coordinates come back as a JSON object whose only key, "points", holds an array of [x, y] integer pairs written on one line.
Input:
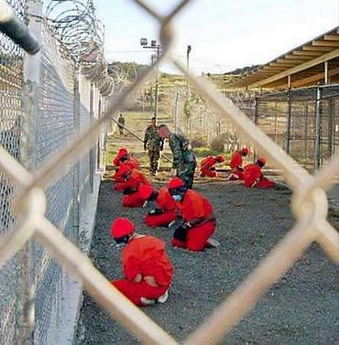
{"points": [[304, 65]]}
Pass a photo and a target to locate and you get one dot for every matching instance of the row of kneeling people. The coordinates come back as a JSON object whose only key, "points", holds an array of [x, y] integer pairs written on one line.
{"points": [[147, 268], [251, 174]]}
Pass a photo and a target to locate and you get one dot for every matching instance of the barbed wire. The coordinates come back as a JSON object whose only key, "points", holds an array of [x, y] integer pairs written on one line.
{"points": [[75, 25]]}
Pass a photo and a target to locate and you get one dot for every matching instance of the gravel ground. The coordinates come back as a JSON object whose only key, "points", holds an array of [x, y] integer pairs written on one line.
{"points": [[302, 308]]}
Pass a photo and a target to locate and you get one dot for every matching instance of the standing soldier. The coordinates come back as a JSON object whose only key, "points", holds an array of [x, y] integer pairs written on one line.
{"points": [[184, 161], [153, 144], [121, 121]]}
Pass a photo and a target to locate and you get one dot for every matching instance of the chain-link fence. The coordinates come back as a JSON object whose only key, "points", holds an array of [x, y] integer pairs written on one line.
{"points": [[38, 119], [201, 122], [11, 85], [304, 122], [53, 187]]}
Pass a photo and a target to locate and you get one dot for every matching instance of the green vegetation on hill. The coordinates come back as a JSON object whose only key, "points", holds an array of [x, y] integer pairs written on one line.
{"points": [[243, 70], [125, 70]]}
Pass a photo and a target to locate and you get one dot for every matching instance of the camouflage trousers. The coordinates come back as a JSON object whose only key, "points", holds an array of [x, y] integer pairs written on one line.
{"points": [[153, 156], [186, 171]]}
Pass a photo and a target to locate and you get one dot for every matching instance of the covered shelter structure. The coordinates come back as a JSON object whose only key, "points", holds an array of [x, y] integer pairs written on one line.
{"points": [[294, 99], [312, 63]]}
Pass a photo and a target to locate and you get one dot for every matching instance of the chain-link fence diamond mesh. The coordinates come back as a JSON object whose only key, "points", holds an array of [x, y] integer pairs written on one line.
{"points": [[67, 105]]}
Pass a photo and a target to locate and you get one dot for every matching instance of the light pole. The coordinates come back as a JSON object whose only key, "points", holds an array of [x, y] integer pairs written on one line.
{"points": [[189, 48], [155, 46]]}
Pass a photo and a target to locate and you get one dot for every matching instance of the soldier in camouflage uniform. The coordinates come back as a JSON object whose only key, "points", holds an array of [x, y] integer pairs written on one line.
{"points": [[153, 143], [184, 161], [121, 122]]}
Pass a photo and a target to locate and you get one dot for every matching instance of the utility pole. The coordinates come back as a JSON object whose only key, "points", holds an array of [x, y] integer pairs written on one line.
{"points": [[155, 46], [189, 123], [189, 48], [157, 86], [176, 117]]}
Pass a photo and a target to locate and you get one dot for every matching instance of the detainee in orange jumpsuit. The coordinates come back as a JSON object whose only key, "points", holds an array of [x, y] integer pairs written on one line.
{"points": [[237, 171], [207, 165], [253, 176], [131, 179], [165, 210], [148, 271], [196, 211], [124, 157]]}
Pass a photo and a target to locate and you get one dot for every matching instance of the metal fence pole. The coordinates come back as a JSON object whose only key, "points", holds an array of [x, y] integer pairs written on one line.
{"points": [[99, 161], [306, 132], [256, 117], [331, 112], [288, 122], [92, 148], [31, 92], [318, 118], [76, 169]]}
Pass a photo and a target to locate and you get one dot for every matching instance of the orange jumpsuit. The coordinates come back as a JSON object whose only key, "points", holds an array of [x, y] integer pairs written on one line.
{"points": [[206, 166], [236, 166], [146, 256], [135, 180], [253, 177], [131, 161], [194, 206], [165, 203], [117, 176]]}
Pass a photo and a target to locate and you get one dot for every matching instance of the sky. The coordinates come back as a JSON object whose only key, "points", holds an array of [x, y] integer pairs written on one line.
{"points": [[223, 34]]}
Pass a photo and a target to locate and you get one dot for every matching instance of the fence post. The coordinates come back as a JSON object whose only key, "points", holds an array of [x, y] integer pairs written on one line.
{"points": [[256, 116], [30, 98], [331, 112], [256, 102], [288, 122], [76, 169], [99, 161], [92, 147], [318, 118]]}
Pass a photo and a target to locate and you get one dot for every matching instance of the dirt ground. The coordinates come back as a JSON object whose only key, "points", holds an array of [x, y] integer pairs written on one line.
{"points": [[302, 308]]}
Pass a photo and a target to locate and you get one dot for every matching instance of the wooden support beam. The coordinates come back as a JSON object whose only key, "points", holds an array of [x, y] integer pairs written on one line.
{"points": [[322, 43], [287, 62], [331, 37], [312, 48], [333, 54], [297, 57], [282, 63], [307, 53], [314, 78]]}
